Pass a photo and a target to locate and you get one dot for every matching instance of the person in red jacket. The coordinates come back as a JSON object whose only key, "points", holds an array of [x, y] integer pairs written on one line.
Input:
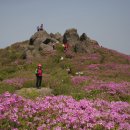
{"points": [[38, 73]]}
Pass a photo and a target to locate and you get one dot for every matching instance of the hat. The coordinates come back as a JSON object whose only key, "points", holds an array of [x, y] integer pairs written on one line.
{"points": [[39, 65]]}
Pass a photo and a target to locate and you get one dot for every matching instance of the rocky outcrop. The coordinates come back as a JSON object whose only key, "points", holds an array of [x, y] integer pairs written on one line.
{"points": [[83, 37], [39, 37], [57, 36], [42, 42], [71, 36], [82, 44]]}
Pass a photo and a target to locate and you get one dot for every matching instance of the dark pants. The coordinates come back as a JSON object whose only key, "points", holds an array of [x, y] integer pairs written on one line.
{"points": [[38, 81]]}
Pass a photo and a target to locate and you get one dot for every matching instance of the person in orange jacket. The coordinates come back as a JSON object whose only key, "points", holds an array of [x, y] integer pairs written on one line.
{"points": [[38, 73]]}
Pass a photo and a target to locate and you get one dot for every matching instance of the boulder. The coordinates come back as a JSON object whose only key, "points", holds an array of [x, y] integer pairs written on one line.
{"points": [[57, 36], [87, 46], [83, 37], [46, 48], [71, 37], [39, 44], [39, 37]]}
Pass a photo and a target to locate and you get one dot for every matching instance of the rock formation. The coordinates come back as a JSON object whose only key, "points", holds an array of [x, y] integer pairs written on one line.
{"points": [[82, 44], [41, 43]]}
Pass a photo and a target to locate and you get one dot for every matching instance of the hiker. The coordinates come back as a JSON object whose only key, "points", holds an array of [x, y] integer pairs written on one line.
{"points": [[41, 27], [38, 73], [68, 70], [38, 29], [66, 46], [53, 45]]}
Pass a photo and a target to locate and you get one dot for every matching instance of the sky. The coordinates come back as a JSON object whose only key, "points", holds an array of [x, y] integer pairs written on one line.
{"points": [[106, 21]]}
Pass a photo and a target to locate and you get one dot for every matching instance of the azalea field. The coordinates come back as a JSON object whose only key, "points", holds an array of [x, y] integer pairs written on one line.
{"points": [[94, 96], [62, 112]]}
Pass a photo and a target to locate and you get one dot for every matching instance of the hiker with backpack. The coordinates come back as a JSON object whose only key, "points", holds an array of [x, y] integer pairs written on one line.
{"points": [[38, 73]]}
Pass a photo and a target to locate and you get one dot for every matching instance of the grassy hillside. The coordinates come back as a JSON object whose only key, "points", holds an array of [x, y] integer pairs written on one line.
{"points": [[104, 66], [95, 95]]}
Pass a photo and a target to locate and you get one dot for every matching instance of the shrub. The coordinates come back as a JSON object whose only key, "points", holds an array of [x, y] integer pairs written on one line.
{"points": [[62, 112], [5, 87], [31, 93], [59, 48]]}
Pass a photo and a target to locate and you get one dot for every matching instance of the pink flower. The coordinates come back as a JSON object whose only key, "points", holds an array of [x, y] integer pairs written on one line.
{"points": [[76, 80]]}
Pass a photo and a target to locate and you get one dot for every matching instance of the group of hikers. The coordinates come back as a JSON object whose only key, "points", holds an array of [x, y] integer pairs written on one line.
{"points": [[65, 41], [40, 28]]}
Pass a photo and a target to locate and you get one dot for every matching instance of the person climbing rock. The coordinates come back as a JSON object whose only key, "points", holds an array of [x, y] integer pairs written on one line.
{"points": [[38, 73]]}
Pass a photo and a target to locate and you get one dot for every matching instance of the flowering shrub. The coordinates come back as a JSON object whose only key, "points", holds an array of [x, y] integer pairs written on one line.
{"points": [[93, 66], [94, 56], [76, 80], [114, 66], [110, 87], [18, 82], [62, 112]]}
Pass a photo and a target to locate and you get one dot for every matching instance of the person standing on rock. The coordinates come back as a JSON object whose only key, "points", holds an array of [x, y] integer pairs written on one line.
{"points": [[38, 73], [41, 27], [38, 29]]}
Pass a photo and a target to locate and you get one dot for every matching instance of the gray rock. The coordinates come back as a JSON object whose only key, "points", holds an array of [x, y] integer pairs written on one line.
{"points": [[39, 37], [71, 36], [58, 37], [83, 37], [46, 48]]}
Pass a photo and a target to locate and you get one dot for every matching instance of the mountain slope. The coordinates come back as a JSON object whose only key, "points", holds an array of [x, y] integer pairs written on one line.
{"points": [[91, 64]]}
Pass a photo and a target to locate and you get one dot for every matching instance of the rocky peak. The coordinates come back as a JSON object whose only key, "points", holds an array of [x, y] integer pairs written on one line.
{"points": [[42, 42], [39, 36], [71, 36], [83, 37]]}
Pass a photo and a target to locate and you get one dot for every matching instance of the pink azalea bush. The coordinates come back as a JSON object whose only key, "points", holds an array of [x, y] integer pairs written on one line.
{"points": [[62, 113], [76, 80], [110, 87], [109, 66], [93, 66], [114, 66], [94, 56], [18, 82]]}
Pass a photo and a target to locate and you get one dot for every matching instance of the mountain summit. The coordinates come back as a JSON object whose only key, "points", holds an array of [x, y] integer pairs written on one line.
{"points": [[41, 42]]}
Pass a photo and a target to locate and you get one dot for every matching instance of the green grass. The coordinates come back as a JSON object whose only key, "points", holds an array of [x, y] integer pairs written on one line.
{"points": [[6, 87], [31, 93], [55, 74]]}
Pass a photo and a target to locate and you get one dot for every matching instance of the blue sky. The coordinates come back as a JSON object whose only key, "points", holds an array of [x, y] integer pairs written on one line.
{"points": [[107, 21]]}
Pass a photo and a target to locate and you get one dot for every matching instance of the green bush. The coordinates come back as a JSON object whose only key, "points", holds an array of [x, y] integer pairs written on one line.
{"points": [[4, 88], [30, 93], [64, 89], [29, 84], [78, 95], [7, 72], [93, 94], [59, 48], [125, 98]]}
